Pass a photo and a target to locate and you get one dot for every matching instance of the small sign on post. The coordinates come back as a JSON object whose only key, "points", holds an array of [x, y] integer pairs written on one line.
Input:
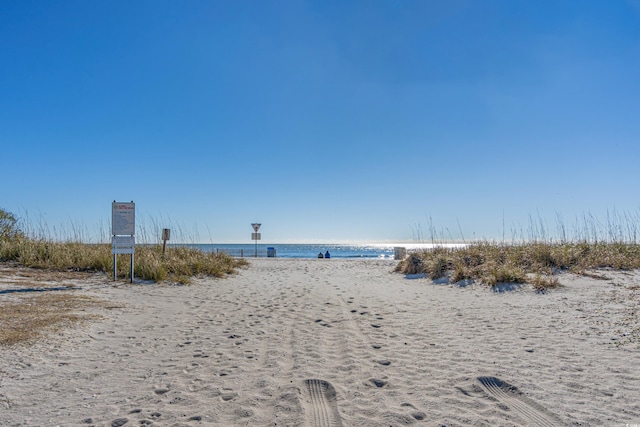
{"points": [[123, 226], [166, 235], [256, 236]]}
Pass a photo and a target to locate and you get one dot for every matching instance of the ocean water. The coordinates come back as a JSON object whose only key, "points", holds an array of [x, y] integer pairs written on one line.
{"points": [[288, 250]]}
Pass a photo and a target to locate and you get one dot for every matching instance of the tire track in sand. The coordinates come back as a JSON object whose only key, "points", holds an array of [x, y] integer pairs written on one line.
{"points": [[514, 399], [322, 404]]}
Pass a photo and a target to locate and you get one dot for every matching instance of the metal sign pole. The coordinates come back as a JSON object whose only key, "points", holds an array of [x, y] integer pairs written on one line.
{"points": [[256, 236], [123, 219]]}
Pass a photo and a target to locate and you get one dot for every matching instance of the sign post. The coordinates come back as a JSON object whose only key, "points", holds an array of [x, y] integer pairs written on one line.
{"points": [[166, 235], [123, 226], [256, 236]]}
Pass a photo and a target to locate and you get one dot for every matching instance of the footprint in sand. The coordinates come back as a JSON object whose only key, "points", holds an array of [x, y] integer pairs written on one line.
{"points": [[378, 383], [414, 412], [227, 394], [226, 397]]}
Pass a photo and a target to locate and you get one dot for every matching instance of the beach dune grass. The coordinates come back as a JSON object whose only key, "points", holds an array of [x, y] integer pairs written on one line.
{"points": [[535, 263], [181, 263], [177, 264]]}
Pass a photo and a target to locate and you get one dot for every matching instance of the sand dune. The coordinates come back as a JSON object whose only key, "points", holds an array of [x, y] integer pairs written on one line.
{"points": [[330, 343]]}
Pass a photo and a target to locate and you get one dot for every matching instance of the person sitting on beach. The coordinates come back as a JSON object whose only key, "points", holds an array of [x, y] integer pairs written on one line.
{"points": [[320, 255], [327, 255]]}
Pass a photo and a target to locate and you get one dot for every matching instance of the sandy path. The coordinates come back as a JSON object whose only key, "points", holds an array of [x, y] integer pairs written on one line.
{"points": [[336, 343]]}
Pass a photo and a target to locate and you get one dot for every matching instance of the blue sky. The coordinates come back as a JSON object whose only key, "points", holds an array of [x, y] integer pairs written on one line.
{"points": [[324, 120]]}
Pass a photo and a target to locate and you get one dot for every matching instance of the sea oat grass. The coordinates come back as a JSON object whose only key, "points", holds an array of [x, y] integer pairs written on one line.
{"points": [[534, 263], [460, 273], [494, 273], [541, 282], [177, 264]]}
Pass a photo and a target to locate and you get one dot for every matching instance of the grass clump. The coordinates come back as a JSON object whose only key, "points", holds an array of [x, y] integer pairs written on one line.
{"points": [[542, 282], [493, 273], [178, 264], [534, 263]]}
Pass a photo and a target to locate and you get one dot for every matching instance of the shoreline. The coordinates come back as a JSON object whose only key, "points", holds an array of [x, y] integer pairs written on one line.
{"points": [[286, 339]]}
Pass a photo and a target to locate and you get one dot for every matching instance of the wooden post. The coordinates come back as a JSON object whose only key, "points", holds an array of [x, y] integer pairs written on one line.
{"points": [[166, 235]]}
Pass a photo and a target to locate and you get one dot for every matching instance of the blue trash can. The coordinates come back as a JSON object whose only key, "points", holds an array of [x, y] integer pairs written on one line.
{"points": [[271, 252]]}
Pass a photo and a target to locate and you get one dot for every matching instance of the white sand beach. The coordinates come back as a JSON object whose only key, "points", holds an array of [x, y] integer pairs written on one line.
{"points": [[330, 343]]}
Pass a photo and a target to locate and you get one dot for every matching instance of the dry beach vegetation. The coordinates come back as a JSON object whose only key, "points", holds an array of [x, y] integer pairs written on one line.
{"points": [[536, 263], [315, 343], [539, 257]]}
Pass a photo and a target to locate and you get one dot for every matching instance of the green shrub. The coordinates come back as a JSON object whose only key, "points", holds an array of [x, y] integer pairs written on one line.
{"points": [[9, 228]]}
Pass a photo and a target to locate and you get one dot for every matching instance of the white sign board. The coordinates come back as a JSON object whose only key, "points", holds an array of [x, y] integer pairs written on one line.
{"points": [[123, 218], [123, 244], [255, 236]]}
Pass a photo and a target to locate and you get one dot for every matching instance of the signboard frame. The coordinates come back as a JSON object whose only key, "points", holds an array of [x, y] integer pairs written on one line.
{"points": [[123, 244], [123, 218], [123, 228]]}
